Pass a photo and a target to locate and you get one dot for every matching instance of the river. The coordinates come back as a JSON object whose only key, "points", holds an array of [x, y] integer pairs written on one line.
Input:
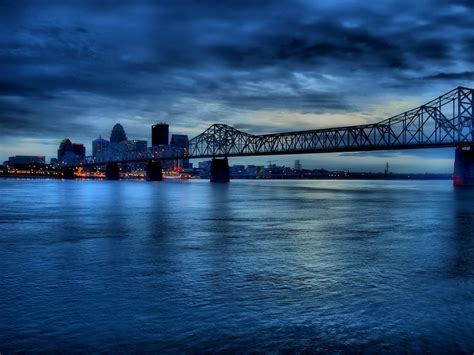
{"points": [[190, 266]]}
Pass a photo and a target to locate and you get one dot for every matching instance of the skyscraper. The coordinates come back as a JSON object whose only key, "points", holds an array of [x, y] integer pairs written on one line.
{"points": [[64, 147], [79, 150], [118, 134], [100, 147], [135, 146], [70, 153], [159, 134], [181, 142]]}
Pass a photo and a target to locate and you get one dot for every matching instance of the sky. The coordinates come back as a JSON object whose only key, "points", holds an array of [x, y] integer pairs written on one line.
{"points": [[75, 68]]}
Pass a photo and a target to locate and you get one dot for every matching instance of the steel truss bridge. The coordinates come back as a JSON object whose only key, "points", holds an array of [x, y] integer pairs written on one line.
{"points": [[447, 121]]}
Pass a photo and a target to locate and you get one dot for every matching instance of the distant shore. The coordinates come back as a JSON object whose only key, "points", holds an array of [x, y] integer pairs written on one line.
{"points": [[350, 176]]}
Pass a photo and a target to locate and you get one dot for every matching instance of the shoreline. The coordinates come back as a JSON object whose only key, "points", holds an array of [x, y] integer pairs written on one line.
{"points": [[366, 177]]}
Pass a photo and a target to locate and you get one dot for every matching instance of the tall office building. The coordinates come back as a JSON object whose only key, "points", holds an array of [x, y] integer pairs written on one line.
{"points": [[64, 147], [181, 143], [69, 152], [118, 134], [79, 150], [159, 134], [135, 146], [133, 149], [100, 147]]}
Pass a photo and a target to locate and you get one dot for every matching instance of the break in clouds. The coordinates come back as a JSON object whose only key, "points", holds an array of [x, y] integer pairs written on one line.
{"points": [[76, 68]]}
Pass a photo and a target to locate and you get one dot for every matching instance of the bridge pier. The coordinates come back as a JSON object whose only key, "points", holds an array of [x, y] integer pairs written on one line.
{"points": [[68, 173], [112, 171], [464, 167], [154, 171], [220, 170]]}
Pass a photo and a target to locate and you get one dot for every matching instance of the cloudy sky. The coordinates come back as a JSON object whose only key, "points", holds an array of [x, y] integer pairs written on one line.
{"points": [[75, 68]]}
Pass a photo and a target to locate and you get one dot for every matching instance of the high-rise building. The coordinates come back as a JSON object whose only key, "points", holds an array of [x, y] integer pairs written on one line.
{"points": [[181, 142], [79, 150], [70, 153], [133, 149], [65, 147], [118, 134], [135, 146], [100, 147], [159, 134]]}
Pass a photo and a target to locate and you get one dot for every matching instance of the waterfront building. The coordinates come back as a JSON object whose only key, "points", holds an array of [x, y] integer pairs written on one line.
{"points": [[79, 150], [64, 146], [253, 169], [70, 153], [237, 169], [170, 152], [181, 142], [66, 152], [159, 134], [134, 148], [26, 159]]}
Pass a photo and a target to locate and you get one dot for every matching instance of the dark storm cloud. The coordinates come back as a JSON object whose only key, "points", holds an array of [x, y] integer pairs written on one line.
{"points": [[452, 3], [79, 65], [463, 76], [30, 121]]}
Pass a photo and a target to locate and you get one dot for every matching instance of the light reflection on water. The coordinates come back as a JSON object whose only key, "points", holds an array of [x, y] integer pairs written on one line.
{"points": [[250, 265]]}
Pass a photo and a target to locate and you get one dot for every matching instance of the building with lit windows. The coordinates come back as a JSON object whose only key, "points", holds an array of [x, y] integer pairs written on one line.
{"points": [[26, 159], [133, 148], [70, 153], [181, 142], [100, 147]]}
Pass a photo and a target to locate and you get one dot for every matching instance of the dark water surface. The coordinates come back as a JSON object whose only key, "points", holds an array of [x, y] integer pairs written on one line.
{"points": [[248, 266]]}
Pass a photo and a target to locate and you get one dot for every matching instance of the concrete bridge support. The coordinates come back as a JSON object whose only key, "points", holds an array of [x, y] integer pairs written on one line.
{"points": [[464, 167], [154, 171], [112, 171], [220, 170], [68, 173]]}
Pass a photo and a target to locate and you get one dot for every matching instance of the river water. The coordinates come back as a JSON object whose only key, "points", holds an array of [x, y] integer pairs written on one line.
{"points": [[248, 266]]}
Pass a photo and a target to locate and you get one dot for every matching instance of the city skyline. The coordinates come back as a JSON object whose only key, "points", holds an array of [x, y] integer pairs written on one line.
{"points": [[346, 161], [74, 71]]}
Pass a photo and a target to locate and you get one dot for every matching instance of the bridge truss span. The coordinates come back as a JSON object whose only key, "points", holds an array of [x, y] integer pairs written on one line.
{"points": [[446, 121]]}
